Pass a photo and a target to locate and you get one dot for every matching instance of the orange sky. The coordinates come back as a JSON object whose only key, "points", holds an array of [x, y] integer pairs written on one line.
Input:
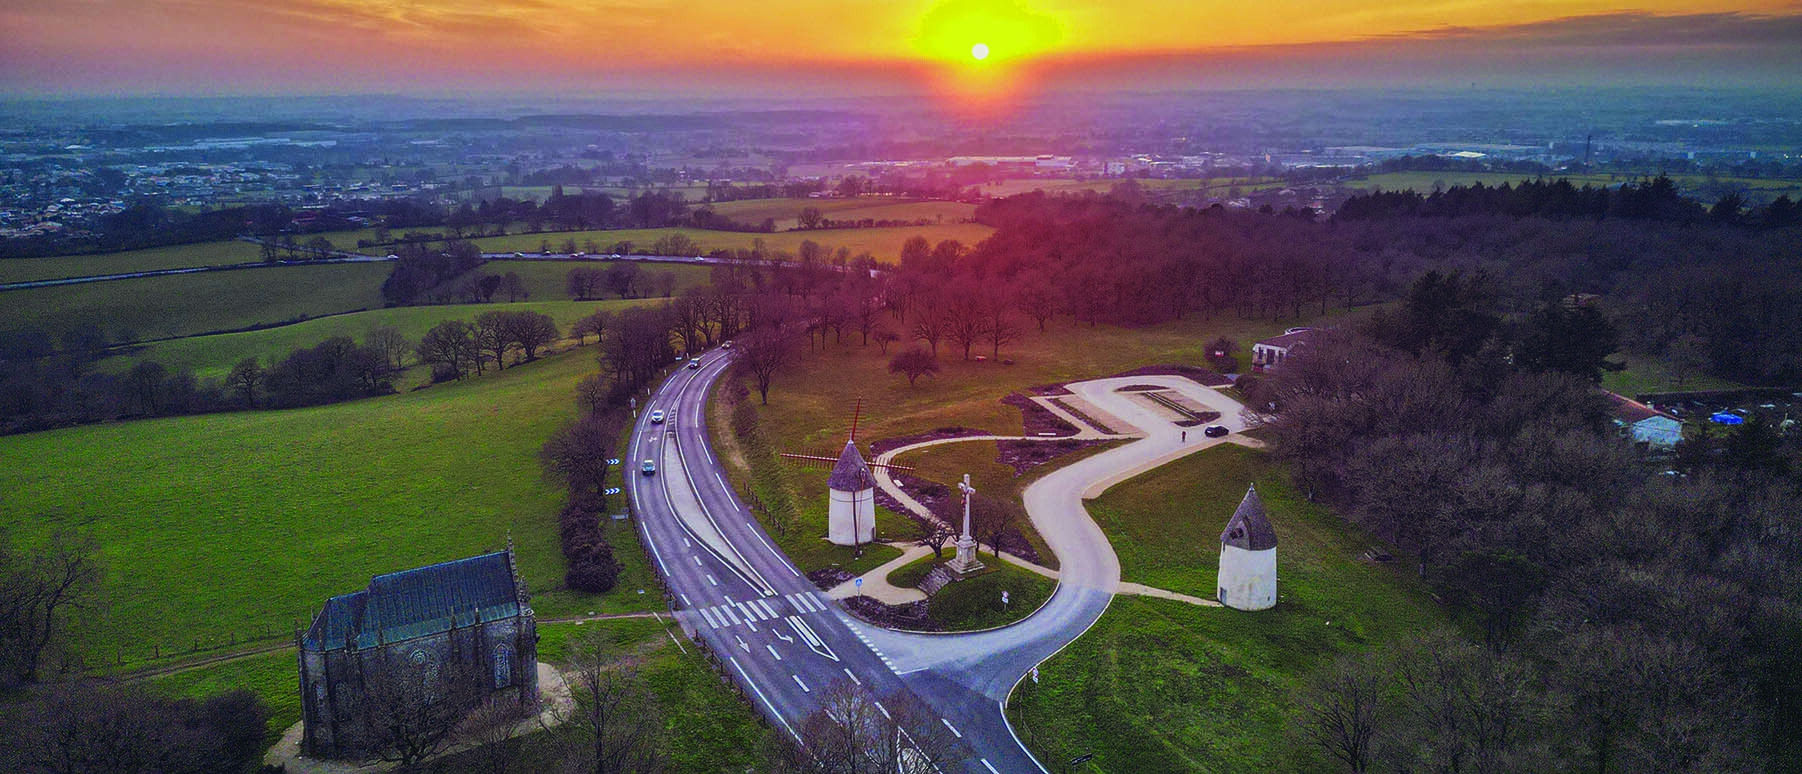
{"points": [[187, 46]]}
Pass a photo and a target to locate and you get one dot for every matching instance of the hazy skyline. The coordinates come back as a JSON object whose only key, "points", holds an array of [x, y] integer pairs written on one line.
{"points": [[843, 47]]}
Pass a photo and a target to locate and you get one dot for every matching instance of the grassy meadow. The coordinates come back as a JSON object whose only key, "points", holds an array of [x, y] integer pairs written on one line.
{"points": [[211, 357], [183, 305], [221, 528], [1160, 685], [177, 257], [786, 212]]}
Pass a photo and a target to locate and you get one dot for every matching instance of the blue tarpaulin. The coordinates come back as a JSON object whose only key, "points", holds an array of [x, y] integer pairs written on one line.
{"points": [[1725, 418]]}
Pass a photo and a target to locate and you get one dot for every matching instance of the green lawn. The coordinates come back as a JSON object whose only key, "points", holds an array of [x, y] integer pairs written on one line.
{"points": [[1646, 374], [210, 357], [1159, 685], [229, 527], [183, 305], [178, 257], [548, 280], [975, 603]]}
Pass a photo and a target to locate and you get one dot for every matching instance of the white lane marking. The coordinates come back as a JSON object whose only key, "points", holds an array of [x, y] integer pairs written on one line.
{"points": [[989, 766], [780, 635], [752, 625], [768, 612], [766, 699], [712, 581], [686, 544], [726, 611], [853, 676], [772, 650], [953, 728], [698, 562], [884, 710], [685, 602], [741, 643], [711, 621], [804, 688], [716, 477]]}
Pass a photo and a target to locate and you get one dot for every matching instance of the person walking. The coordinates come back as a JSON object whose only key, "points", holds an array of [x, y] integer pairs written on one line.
{"points": [[1185, 436]]}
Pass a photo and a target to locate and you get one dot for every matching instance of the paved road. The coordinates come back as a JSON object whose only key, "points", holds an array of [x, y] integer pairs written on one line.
{"points": [[727, 576]]}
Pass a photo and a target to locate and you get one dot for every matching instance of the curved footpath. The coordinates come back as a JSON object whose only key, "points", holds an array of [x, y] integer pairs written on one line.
{"points": [[992, 662]]}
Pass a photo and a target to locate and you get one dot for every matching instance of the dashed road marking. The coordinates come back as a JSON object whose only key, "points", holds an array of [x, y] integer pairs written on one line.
{"points": [[804, 688]]}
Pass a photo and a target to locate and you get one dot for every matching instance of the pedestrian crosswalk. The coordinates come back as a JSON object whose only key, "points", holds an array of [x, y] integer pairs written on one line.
{"points": [[751, 612]]}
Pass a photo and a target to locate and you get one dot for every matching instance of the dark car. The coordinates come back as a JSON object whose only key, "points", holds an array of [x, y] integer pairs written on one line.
{"points": [[1215, 431], [694, 363]]}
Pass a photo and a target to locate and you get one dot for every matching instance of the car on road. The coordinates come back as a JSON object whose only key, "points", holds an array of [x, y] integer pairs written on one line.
{"points": [[694, 362], [649, 468], [579, 255], [519, 255], [1215, 431], [725, 345], [657, 417]]}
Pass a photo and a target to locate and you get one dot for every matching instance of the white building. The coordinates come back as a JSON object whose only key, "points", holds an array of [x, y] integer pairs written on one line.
{"points": [[1248, 557], [1645, 424], [851, 509], [1269, 353]]}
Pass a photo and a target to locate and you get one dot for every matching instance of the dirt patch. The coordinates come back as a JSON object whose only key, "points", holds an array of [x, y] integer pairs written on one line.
{"points": [[1038, 420], [828, 578], [880, 447], [909, 616], [1202, 376], [1142, 388], [1023, 456], [1049, 390]]}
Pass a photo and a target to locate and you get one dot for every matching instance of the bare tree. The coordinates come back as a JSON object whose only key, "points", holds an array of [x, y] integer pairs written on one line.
{"points": [[853, 731], [245, 377], [530, 331], [615, 725], [40, 587], [914, 364], [1339, 711], [764, 352], [577, 453], [934, 535], [991, 518], [513, 287], [450, 344], [388, 340], [411, 708], [595, 324], [494, 337]]}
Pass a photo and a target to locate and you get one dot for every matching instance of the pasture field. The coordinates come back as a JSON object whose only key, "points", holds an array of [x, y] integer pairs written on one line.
{"points": [[1646, 373], [211, 357], [786, 211], [548, 280], [884, 243], [177, 257], [183, 305], [1161, 685], [1216, 185], [223, 528]]}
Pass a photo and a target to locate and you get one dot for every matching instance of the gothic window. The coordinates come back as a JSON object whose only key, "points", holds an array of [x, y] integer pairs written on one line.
{"points": [[343, 708], [503, 666], [427, 662]]}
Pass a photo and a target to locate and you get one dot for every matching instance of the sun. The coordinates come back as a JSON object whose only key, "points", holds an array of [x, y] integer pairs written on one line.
{"points": [[980, 51]]}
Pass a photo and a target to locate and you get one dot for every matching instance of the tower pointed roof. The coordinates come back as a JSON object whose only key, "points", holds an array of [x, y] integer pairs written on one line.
{"points": [[1249, 528], [850, 474]]}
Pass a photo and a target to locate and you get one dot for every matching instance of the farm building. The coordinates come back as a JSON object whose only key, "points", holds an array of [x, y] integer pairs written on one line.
{"points": [[1645, 424], [1269, 353], [426, 644]]}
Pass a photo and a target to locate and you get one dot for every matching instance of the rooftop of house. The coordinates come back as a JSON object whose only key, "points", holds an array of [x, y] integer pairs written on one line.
{"points": [[1291, 339], [850, 474], [1249, 528], [419, 602], [1632, 412]]}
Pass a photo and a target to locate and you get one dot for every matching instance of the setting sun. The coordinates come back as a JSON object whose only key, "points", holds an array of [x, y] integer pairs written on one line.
{"points": [[980, 51]]}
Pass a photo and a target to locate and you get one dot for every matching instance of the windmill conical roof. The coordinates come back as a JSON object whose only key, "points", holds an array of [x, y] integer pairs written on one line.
{"points": [[850, 474], [1250, 527]]}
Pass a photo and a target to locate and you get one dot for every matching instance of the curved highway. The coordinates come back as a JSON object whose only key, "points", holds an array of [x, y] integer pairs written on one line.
{"points": [[784, 641]]}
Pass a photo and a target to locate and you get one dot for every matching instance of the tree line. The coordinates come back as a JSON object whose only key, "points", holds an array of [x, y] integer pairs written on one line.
{"points": [[1653, 199], [1635, 613]]}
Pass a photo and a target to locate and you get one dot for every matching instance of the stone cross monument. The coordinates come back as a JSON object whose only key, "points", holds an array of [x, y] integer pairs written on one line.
{"points": [[966, 561]]}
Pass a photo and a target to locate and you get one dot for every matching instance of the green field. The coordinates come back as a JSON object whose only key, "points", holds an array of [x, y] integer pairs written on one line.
{"points": [[183, 305], [975, 603], [786, 211], [178, 257], [1160, 685], [548, 280], [884, 243], [220, 528], [211, 357], [1216, 185], [1646, 374]]}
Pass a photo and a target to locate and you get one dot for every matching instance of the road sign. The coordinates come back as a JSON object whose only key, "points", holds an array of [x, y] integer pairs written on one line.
{"points": [[1082, 759], [614, 461], [1035, 675], [858, 583], [1004, 597], [612, 490]]}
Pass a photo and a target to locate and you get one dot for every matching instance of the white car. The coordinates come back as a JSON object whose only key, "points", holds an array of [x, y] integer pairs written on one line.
{"points": [[657, 417]]}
